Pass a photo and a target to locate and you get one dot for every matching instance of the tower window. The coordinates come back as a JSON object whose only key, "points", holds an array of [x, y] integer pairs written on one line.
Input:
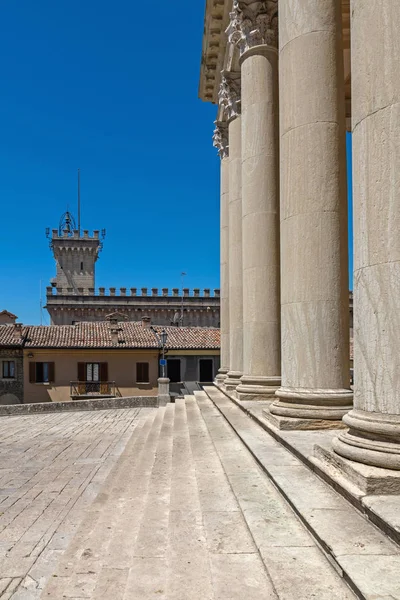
{"points": [[81, 266]]}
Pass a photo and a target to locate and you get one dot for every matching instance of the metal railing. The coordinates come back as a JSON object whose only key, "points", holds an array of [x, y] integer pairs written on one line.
{"points": [[92, 388]]}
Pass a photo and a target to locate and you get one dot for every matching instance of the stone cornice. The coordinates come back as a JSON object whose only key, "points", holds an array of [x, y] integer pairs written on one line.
{"points": [[221, 139], [214, 45], [253, 24]]}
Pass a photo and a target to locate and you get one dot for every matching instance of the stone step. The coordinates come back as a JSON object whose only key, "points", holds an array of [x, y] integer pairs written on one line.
{"points": [[147, 568], [81, 565], [355, 547], [237, 570], [187, 557]]}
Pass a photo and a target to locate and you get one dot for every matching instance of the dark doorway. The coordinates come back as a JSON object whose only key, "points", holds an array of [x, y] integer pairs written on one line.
{"points": [[206, 370], [174, 369]]}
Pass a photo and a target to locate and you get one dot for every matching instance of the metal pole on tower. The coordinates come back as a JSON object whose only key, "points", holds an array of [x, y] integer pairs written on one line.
{"points": [[79, 201], [183, 274]]}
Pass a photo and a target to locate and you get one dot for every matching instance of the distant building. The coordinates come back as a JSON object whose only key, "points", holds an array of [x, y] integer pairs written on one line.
{"points": [[104, 359], [11, 363], [7, 318], [72, 296]]}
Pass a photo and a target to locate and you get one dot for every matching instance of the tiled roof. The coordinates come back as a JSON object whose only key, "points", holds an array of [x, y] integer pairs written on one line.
{"points": [[130, 335], [11, 335]]}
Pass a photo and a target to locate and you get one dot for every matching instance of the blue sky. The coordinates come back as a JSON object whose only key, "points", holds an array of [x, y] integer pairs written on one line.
{"points": [[112, 90]]}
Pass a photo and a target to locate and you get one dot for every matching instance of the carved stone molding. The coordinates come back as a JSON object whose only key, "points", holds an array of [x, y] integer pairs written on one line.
{"points": [[220, 138], [229, 95], [254, 24]]}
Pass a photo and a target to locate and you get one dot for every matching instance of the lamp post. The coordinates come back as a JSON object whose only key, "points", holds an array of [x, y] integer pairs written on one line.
{"points": [[163, 381], [163, 339]]}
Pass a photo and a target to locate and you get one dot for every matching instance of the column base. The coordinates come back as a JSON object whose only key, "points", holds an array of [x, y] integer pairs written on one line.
{"points": [[300, 408], [221, 376], [232, 380], [373, 439], [260, 388], [357, 477]]}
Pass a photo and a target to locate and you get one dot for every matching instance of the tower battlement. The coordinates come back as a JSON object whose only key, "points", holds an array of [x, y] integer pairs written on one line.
{"points": [[64, 234]]}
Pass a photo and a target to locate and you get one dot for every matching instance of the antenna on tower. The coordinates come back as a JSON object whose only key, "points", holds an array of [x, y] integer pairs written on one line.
{"points": [[79, 201]]}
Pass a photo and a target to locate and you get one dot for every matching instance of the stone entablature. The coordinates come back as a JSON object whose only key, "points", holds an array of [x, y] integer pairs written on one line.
{"points": [[215, 42]]}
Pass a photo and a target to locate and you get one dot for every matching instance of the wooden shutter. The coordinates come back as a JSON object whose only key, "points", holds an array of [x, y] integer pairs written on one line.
{"points": [[104, 371], [142, 372], [52, 372], [81, 371], [32, 372]]}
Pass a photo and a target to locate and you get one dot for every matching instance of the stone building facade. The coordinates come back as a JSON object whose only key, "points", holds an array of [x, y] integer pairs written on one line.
{"points": [[287, 87], [72, 296], [11, 364], [62, 363]]}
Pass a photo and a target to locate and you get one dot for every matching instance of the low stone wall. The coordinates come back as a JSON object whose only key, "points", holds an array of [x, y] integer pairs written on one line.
{"points": [[78, 405]]}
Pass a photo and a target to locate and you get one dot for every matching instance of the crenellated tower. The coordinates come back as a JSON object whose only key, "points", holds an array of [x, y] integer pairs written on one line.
{"points": [[75, 255]]}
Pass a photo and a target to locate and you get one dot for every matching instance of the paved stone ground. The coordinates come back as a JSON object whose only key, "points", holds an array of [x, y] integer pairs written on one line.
{"points": [[52, 467]]}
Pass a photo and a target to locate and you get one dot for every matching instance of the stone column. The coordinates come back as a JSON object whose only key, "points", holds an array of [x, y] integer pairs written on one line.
{"points": [[315, 297], [253, 29], [229, 97], [220, 140], [374, 434]]}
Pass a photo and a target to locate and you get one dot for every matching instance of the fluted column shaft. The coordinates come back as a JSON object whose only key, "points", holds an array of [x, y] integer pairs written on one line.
{"points": [[235, 255], [374, 435], [260, 198], [224, 266], [315, 325]]}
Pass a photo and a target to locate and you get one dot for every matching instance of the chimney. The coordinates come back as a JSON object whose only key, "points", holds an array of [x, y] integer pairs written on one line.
{"points": [[146, 322], [17, 333]]}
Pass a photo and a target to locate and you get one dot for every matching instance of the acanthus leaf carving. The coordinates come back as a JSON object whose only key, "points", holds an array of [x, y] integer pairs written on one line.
{"points": [[220, 138], [229, 95]]}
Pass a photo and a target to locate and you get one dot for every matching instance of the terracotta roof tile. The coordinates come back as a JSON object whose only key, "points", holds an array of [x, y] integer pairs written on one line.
{"points": [[12, 335], [130, 335]]}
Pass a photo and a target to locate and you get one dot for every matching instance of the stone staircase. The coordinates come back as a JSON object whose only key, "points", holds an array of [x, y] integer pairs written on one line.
{"points": [[187, 513]]}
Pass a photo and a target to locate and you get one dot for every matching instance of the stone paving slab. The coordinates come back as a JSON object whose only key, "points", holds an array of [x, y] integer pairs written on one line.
{"points": [[56, 465]]}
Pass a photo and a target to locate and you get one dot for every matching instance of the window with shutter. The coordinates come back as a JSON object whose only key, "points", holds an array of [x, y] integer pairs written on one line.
{"points": [[8, 369], [142, 372], [41, 372]]}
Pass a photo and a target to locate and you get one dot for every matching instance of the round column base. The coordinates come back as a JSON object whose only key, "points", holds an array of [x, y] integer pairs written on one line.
{"points": [[373, 439], [221, 376], [233, 380], [253, 387], [304, 403]]}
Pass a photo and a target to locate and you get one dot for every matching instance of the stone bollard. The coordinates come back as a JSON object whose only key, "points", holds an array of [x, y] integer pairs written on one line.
{"points": [[163, 391]]}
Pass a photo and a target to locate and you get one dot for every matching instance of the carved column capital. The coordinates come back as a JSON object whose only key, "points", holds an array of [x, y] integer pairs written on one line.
{"points": [[221, 139], [229, 95], [254, 24]]}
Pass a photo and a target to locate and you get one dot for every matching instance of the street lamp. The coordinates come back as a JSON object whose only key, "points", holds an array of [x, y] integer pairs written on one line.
{"points": [[163, 338]]}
